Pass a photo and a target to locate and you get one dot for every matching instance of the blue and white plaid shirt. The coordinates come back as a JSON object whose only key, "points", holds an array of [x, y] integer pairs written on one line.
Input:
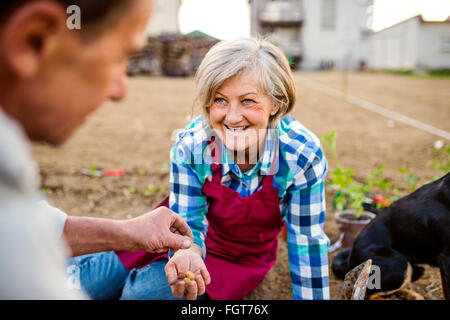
{"points": [[299, 178]]}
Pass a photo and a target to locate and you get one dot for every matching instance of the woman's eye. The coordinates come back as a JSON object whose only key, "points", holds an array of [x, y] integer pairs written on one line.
{"points": [[219, 100], [248, 101]]}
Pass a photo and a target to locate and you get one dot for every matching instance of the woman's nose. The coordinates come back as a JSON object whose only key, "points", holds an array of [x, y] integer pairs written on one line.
{"points": [[234, 114]]}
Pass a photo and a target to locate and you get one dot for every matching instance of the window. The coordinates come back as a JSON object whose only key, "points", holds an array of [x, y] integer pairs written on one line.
{"points": [[445, 43], [328, 14]]}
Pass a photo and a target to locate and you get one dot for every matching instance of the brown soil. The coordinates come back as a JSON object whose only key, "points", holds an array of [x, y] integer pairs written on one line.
{"points": [[135, 135]]}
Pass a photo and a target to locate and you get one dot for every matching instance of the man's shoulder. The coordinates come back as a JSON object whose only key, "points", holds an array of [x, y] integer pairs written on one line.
{"points": [[18, 169]]}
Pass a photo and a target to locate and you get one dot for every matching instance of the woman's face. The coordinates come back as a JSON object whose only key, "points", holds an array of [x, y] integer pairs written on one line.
{"points": [[240, 113]]}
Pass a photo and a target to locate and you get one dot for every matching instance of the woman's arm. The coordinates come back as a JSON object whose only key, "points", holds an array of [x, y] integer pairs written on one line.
{"points": [[186, 196], [187, 199], [307, 242]]}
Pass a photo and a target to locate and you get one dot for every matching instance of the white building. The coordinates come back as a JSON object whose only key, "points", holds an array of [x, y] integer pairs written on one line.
{"points": [[335, 32], [316, 33], [164, 18], [413, 44], [282, 22]]}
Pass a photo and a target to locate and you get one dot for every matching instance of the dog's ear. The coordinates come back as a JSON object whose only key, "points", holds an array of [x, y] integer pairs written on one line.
{"points": [[417, 272]]}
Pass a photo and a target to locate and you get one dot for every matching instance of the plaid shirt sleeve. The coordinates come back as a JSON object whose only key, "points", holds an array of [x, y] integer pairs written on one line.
{"points": [[307, 242], [186, 197]]}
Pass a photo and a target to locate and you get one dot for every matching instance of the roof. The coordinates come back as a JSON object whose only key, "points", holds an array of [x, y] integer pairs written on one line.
{"points": [[198, 33], [421, 20]]}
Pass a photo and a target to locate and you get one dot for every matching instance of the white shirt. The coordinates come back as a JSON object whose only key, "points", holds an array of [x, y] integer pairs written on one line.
{"points": [[32, 253]]}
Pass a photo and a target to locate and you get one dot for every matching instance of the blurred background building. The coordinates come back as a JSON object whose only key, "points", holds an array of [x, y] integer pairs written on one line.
{"points": [[167, 51], [413, 44], [165, 17], [316, 34], [283, 22]]}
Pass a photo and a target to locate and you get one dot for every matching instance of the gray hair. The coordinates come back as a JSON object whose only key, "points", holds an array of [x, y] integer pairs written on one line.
{"points": [[258, 56]]}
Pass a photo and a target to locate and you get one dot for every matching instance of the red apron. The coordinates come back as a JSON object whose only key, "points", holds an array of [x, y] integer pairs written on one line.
{"points": [[242, 238]]}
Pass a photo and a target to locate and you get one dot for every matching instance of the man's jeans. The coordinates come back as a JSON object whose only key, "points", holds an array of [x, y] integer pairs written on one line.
{"points": [[103, 276]]}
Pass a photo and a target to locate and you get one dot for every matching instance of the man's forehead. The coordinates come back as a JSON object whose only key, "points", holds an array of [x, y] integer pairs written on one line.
{"points": [[135, 25]]}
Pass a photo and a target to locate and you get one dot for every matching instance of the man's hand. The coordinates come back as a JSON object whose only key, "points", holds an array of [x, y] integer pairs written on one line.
{"points": [[158, 231], [182, 262]]}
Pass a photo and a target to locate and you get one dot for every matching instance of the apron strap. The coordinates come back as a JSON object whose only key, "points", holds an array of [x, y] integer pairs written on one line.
{"points": [[217, 173]]}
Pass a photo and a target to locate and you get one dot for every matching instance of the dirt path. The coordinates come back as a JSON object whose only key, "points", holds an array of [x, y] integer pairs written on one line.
{"points": [[135, 135]]}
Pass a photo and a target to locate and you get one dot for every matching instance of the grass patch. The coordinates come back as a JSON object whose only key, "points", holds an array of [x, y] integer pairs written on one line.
{"points": [[433, 74]]}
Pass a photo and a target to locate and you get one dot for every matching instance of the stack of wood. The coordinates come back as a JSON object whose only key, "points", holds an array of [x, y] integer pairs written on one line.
{"points": [[173, 55], [148, 60]]}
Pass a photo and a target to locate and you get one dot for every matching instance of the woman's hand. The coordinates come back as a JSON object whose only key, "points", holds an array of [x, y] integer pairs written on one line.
{"points": [[182, 262]]}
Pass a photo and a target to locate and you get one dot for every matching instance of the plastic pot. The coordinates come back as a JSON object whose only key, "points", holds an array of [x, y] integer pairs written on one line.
{"points": [[349, 227]]}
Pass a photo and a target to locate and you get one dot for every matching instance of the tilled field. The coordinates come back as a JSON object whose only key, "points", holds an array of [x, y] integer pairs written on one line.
{"points": [[136, 135]]}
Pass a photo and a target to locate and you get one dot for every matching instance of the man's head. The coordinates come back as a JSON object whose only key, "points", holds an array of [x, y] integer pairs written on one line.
{"points": [[52, 77]]}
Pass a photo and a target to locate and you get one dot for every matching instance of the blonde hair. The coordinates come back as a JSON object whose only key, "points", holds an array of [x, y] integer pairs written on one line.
{"points": [[258, 56]]}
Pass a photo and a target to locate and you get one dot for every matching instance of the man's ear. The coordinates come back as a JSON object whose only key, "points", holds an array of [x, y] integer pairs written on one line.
{"points": [[29, 36]]}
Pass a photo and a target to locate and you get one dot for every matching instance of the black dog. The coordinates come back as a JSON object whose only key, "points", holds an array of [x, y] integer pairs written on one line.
{"points": [[413, 230]]}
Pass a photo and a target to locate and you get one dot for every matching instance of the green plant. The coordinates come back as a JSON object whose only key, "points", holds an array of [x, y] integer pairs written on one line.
{"points": [[410, 179], [94, 173], [151, 189], [349, 191], [442, 162], [378, 184]]}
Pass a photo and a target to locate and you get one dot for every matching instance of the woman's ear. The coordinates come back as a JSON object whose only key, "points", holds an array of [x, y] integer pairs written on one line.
{"points": [[275, 109]]}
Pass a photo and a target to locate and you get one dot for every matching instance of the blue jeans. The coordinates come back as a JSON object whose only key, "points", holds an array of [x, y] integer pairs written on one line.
{"points": [[103, 276]]}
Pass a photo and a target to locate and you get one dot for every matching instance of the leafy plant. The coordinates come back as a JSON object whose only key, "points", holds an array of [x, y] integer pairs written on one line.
{"points": [[410, 179], [351, 193], [94, 172], [442, 162]]}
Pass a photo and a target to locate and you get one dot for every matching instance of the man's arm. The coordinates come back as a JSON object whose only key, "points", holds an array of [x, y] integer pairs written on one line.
{"points": [[155, 231], [88, 235]]}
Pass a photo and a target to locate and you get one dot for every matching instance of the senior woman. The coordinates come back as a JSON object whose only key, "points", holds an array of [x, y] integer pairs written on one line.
{"points": [[239, 172]]}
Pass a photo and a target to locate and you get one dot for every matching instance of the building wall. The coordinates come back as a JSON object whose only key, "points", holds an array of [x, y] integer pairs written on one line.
{"points": [[411, 45], [286, 35], [396, 47], [345, 45], [434, 46], [164, 18]]}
